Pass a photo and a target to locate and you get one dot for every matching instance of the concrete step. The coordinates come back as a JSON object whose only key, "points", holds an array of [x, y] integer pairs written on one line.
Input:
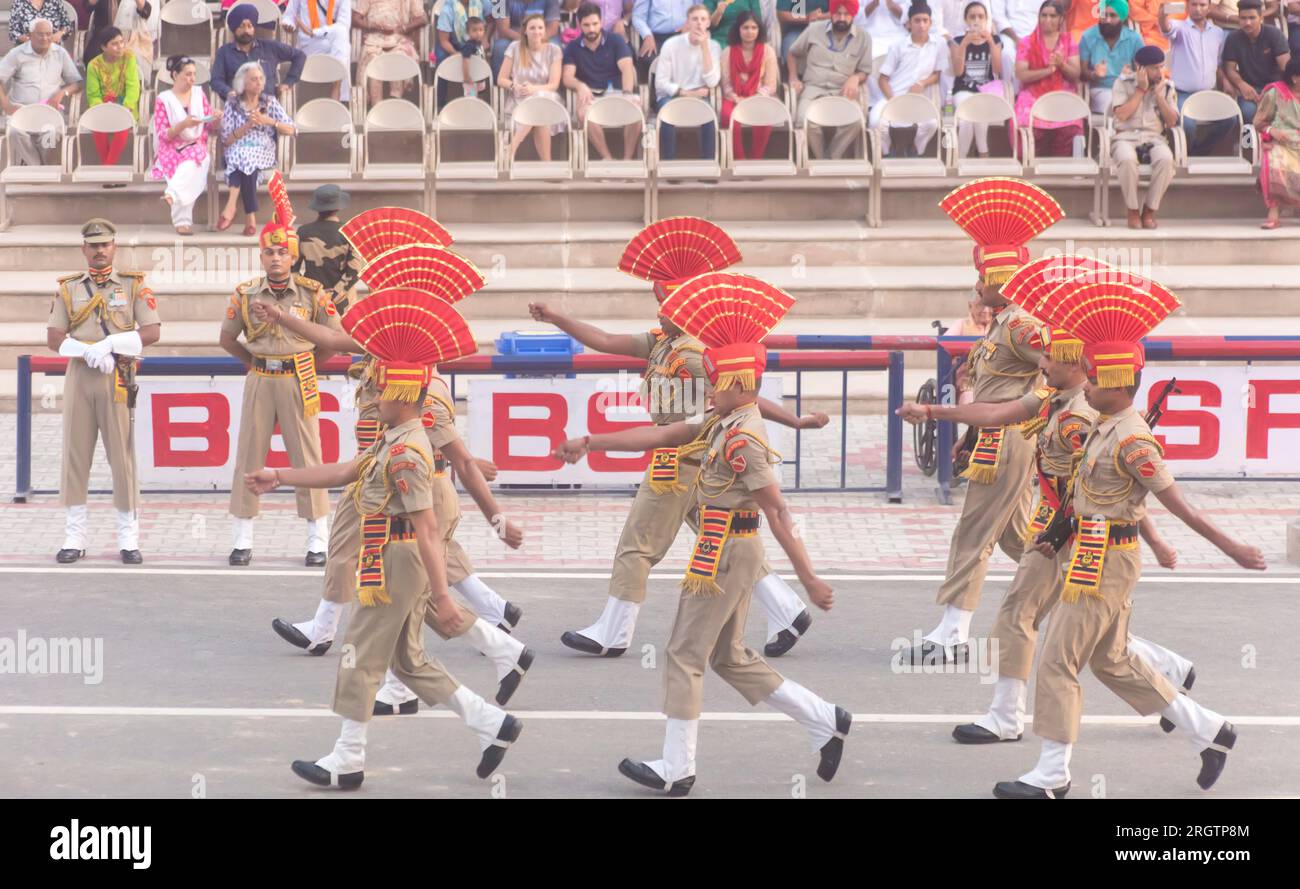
{"points": [[796, 198], [582, 245]]}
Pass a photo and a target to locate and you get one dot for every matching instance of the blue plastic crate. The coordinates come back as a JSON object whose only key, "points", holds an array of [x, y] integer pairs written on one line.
{"points": [[537, 342]]}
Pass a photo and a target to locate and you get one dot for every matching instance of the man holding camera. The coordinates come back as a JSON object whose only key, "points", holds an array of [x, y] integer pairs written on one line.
{"points": [[1145, 105]]}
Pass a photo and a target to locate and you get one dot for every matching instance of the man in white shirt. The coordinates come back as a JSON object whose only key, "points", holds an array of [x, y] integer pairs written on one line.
{"points": [[689, 65], [913, 66], [886, 22], [324, 28], [830, 59], [1196, 45], [1015, 20], [38, 71]]}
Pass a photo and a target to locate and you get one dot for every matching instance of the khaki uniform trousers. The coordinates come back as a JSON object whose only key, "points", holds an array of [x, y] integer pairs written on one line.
{"points": [[992, 514], [1033, 591], [1094, 632], [266, 400], [1126, 168], [710, 630], [89, 412], [651, 527], [391, 636], [446, 509]]}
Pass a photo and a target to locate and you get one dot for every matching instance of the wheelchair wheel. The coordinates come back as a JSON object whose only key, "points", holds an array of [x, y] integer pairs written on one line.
{"points": [[925, 436]]}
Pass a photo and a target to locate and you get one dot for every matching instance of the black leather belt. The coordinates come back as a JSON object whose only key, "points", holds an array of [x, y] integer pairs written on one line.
{"points": [[401, 529], [1123, 533], [743, 520]]}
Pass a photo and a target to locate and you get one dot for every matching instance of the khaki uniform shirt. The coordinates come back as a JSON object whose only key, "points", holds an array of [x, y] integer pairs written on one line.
{"points": [[1069, 417], [1146, 124], [1121, 463], [737, 460], [121, 303], [397, 474], [303, 297], [675, 385], [1004, 364]]}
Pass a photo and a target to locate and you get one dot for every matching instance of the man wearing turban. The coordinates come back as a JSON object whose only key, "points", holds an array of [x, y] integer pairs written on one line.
{"points": [[1106, 51], [248, 47]]}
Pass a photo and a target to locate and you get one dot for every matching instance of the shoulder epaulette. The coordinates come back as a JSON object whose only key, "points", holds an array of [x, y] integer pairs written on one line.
{"points": [[304, 281]]}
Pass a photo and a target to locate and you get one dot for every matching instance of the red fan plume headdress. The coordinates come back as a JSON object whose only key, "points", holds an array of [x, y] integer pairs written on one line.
{"points": [[409, 332], [1032, 284], [280, 229], [730, 314], [427, 267], [672, 251], [375, 231], [1001, 215]]}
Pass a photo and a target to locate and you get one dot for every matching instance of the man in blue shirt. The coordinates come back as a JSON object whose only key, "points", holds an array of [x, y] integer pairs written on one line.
{"points": [[655, 21], [1106, 51], [597, 62], [242, 21]]}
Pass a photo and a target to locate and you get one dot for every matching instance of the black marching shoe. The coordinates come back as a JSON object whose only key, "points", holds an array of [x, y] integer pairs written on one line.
{"points": [[68, 556], [1165, 725], [648, 777], [833, 749], [579, 642], [309, 771], [406, 708], [786, 639], [294, 636], [314, 560], [970, 733], [1215, 757], [239, 557], [131, 557], [933, 653], [511, 618], [509, 733], [1021, 790], [510, 683]]}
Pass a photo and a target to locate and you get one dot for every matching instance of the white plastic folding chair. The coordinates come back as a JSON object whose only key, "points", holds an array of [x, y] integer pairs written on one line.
{"points": [[45, 128], [460, 121], [106, 119], [387, 119], [452, 70], [989, 111], [320, 73], [681, 113], [612, 113], [325, 136], [388, 68], [903, 111], [79, 37], [1205, 108], [760, 111], [834, 112], [186, 29], [268, 16], [542, 112], [1067, 107]]}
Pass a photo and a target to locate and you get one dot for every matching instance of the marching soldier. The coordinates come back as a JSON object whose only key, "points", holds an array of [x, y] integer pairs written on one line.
{"points": [[735, 481], [675, 388], [1001, 215], [324, 254], [1120, 464], [101, 320], [405, 521], [281, 386], [1058, 418]]}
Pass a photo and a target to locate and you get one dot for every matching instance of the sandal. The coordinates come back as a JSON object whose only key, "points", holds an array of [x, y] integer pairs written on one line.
{"points": [[223, 223], [250, 230], [184, 230], [1271, 224]]}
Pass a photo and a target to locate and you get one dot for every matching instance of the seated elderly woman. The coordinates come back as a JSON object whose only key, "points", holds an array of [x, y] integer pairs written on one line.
{"points": [[249, 128]]}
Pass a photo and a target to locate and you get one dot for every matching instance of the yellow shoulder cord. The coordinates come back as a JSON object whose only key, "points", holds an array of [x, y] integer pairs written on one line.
{"points": [[96, 304], [1037, 423]]}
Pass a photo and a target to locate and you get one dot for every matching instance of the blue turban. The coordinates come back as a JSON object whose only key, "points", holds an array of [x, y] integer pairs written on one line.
{"points": [[244, 12]]}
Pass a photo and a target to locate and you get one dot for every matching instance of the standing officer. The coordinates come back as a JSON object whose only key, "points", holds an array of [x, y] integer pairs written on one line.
{"points": [[101, 320], [324, 254], [281, 386]]}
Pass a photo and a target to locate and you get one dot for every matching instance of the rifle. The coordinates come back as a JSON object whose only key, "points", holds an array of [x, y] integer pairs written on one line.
{"points": [[1058, 531]]}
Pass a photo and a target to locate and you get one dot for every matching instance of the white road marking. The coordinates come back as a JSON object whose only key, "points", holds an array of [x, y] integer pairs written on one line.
{"points": [[583, 715]]}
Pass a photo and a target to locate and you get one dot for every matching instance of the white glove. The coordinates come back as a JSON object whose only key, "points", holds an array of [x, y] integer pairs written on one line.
{"points": [[97, 351], [105, 364], [128, 343], [71, 348]]}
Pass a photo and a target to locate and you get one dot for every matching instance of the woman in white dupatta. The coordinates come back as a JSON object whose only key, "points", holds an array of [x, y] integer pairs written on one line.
{"points": [[182, 118]]}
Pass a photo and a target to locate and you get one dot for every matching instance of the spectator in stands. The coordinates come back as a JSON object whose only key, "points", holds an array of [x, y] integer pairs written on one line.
{"points": [[112, 77], [99, 15], [1253, 57], [749, 68], [474, 47], [1018, 19], [1278, 123], [1106, 51], [23, 14], [723, 13], [1145, 14], [613, 14], [948, 18], [510, 28], [655, 22], [532, 67], [1226, 13], [249, 127], [885, 22], [1145, 105], [452, 27], [35, 72], [1195, 46], [795, 15], [1293, 25], [690, 64], [324, 28], [599, 63], [141, 24], [976, 60], [913, 66], [979, 318], [182, 118], [248, 47], [1048, 61], [836, 60]]}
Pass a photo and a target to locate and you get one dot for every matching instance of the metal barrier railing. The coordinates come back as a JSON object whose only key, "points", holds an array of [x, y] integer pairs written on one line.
{"points": [[844, 362]]}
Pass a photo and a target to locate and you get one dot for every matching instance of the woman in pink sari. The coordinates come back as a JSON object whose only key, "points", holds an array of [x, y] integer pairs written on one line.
{"points": [[1278, 123], [1048, 61]]}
